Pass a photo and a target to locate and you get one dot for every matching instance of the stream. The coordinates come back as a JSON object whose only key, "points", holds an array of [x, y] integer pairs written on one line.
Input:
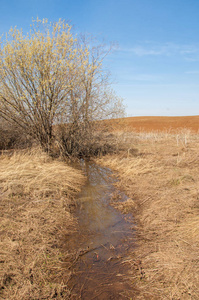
{"points": [[103, 241]]}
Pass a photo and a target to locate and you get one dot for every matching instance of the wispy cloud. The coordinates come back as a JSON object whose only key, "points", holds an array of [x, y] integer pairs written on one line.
{"points": [[167, 49], [142, 51], [194, 72], [144, 77]]}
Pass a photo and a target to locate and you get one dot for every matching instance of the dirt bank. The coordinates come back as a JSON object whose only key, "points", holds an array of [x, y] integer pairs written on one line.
{"points": [[36, 193], [160, 174]]}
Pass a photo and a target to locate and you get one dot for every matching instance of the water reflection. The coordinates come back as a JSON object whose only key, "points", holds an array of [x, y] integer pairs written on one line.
{"points": [[105, 237], [95, 213]]}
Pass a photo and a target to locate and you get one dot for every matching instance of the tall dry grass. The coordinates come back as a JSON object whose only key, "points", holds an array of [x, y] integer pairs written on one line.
{"points": [[160, 174], [36, 192], [35, 173]]}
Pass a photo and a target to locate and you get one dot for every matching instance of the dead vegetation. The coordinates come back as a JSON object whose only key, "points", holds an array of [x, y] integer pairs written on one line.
{"points": [[159, 173], [12, 137], [35, 196]]}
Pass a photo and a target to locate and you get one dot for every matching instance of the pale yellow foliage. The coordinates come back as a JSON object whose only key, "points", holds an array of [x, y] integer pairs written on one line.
{"points": [[50, 76], [39, 71]]}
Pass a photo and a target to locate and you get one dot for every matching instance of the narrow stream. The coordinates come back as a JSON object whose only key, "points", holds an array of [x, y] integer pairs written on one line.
{"points": [[103, 241]]}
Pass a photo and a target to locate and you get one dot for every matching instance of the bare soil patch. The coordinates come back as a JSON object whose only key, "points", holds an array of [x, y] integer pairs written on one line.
{"points": [[149, 124], [159, 173]]}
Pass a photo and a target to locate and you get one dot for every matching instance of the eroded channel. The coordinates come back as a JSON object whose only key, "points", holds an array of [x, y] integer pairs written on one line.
{"points": [[104, 239]]}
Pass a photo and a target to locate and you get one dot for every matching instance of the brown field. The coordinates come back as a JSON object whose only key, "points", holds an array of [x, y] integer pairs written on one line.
{"points": [[148, 124], [159, 171]]}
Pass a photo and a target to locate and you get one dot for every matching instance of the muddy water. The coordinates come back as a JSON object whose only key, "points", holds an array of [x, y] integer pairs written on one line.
{"points": [[102, 243]]}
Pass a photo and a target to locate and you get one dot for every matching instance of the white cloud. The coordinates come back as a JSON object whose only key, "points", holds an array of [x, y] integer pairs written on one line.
{"points": [[142, 51], [144, 77], [195, 72], [167, 49]]}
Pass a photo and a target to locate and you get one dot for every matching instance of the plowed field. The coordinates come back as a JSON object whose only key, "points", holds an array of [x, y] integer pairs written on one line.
{"points": [[148, 124]]}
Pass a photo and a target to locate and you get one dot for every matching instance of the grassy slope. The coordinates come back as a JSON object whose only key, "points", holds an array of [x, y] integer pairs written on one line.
{"points": [[161, 178], [35, 196]]}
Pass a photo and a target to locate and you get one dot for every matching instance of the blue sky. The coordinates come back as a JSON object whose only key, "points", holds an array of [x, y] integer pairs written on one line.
{"points": [[155, 67]]}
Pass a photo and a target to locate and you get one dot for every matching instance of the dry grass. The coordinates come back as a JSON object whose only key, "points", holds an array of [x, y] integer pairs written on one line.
{"points": [[160, 174], [35, 196]]}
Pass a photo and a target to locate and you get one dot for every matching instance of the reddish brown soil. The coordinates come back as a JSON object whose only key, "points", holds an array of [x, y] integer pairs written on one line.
{"points": [[148, 124]]}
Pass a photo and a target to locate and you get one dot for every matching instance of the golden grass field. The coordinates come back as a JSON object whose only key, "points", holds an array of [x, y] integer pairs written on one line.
{"points": [[158, 168], [159, 171], [36, 193]]}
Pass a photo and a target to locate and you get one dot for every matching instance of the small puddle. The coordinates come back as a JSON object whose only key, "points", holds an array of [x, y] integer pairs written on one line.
{"points": [[103, 241]]}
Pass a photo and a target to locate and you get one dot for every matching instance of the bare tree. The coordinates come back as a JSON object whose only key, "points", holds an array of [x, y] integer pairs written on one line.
{"points": [[50, 76], [91, 100]]}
